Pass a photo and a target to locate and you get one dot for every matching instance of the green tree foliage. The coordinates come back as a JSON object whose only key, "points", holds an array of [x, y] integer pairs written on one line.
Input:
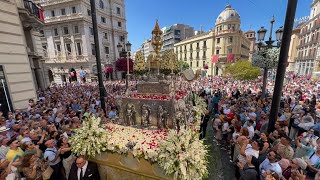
{"points": [[169, 63], [139, 66], [183, 65], [243, 70]]}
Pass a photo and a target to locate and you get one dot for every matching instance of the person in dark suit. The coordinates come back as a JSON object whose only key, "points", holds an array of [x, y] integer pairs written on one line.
{"points": [[82, 169]]}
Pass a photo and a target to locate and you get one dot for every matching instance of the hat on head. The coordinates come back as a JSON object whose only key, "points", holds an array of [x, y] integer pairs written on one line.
{"points": [[3, 129]]}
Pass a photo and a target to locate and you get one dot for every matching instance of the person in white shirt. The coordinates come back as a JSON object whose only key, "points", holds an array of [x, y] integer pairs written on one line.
{"points": [[250, 128], [270, 164], [249, 149]]}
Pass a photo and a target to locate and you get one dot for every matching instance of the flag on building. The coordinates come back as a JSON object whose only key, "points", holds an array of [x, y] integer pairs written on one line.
{"points": [[230, 58], [215, 58]]}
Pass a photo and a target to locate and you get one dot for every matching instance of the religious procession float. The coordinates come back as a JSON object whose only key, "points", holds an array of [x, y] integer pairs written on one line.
{"points": [[157, 135]]}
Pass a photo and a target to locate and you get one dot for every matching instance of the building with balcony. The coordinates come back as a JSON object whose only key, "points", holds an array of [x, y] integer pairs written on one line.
{"points": [[174, 34], [21, 63], [69, 42], [197, 51], [292, 55], [307, 60], [213, 50]]}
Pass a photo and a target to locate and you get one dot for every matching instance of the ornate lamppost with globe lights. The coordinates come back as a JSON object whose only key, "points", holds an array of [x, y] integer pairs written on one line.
{"points": [[267, 54], [126, 53]]}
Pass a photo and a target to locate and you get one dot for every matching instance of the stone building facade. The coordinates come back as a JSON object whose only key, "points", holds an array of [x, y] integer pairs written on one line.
{"points": [[211, 51], [21, 63], [68, 37], [308, 52]]}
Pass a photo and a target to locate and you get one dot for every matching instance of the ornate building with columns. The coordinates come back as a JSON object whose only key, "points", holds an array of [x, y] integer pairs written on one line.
{"points": [[307, 49], [212, 51], [68, 39]]}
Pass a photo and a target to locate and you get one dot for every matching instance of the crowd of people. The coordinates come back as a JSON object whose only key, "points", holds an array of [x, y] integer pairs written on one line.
{"points": [[34, 141], [240, 124]]}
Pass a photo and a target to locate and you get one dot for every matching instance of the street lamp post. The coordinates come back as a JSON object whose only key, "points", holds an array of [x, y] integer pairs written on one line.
{"points": [[282, 64], [98, 60], [269, 44], [123, 51]]}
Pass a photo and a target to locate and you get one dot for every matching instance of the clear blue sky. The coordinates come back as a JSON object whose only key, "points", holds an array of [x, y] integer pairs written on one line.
{"points": [[142, 14]]}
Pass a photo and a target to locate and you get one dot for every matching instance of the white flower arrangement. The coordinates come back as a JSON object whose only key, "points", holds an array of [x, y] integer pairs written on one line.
{"points": [[200, 110], [183, 155], [266, 58], [90, 139], [140, 142], [179, 153]]}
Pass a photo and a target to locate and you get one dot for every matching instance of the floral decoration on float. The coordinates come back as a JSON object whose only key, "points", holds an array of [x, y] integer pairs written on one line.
{"points": [[179, 153]]}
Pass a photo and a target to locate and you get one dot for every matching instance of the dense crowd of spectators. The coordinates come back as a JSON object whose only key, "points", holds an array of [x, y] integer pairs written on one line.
{"points": [[37, 138], [240, 123]]}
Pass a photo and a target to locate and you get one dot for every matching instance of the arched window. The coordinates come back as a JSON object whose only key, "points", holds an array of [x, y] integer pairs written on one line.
{"points": [[101, 4]]}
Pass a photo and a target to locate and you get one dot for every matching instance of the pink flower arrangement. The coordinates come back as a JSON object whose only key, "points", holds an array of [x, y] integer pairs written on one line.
{"points": [[179, 95]]}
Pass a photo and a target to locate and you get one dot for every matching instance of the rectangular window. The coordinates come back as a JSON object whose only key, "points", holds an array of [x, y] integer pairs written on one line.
{"points": [[217, 51], [198, 44], [119, 24], [73, 9], [58, 47], [121, 38], [68, 48], [204, 54], [89, 12], [229, 50], [91, 31], [204, 43], [190, 47], [203, 63], [190, 64], [230, 39], [191, 55], [177, 32], [76, 29], [65, 30], [106, 50], [93, 49], [105, 36], [44, 48], [55, 31], [197, 63], [198, 54], [52, 13], [218, 40], [79, 49], [118, 11], [103, 19], [63, 11]]}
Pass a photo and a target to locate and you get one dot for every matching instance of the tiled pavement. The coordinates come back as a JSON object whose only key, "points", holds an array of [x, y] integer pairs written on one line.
{"points": [[220, 167]]}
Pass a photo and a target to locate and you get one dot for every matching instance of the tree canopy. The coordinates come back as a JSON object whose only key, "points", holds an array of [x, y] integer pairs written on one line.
{"points": [[243, 70], [183, 65]]}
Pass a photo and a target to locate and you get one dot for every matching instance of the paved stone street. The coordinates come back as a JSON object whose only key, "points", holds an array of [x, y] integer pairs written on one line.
{"points": [[220, 167]]}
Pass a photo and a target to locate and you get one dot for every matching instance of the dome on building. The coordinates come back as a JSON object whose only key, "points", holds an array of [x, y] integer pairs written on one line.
{"points": [[228, 14]]}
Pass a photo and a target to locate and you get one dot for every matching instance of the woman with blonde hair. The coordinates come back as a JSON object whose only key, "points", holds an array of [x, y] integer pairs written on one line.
{"points": [[240, 140]]}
